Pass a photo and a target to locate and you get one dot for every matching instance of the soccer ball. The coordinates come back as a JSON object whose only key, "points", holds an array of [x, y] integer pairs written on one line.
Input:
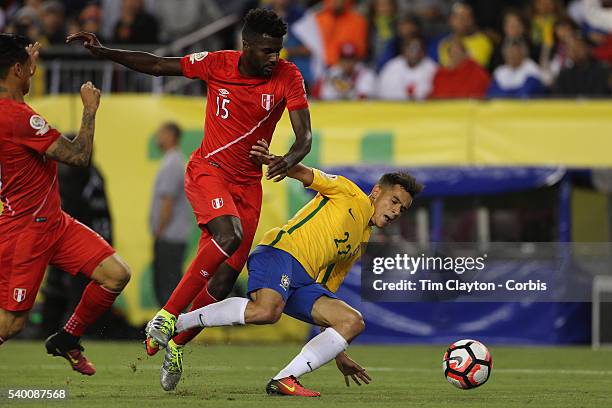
{"points": [[467, 364]]}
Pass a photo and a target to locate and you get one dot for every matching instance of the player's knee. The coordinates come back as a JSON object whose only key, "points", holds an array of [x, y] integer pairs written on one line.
{"points": [[353, 323], [11, 327], [270, 314], [230, 240], [117, 276]]}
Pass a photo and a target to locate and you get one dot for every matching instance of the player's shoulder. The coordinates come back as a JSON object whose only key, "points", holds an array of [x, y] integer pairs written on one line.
{"points": [[286, 69]]}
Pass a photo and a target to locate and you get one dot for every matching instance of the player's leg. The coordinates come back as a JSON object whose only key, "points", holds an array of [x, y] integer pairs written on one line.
{"points": [[80, 249], [219, 220], [217, 288], [248, 203], [11, 323], [316, 305], [24, 256], [247, 200]]}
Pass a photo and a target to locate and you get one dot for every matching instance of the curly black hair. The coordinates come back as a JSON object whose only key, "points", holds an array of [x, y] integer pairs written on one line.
{"points": [[261, 21], [12, 51], [408, 182]]}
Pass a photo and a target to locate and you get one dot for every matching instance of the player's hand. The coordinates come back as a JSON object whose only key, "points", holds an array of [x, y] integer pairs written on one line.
{"points": [[90, 41], [350, 368], [260, 153], [277, 169], [90, 96], [34, 52]]}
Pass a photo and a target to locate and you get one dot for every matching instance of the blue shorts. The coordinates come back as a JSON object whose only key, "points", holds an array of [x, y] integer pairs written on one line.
{"points": [[275, 269]]}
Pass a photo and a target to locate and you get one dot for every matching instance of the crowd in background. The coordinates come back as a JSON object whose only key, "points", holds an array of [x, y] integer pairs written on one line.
{"points": [[387, 49]]}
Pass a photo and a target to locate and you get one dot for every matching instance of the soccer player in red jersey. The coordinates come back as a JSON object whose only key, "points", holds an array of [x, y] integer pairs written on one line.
{"points": [[247, 94], [34, 231]]}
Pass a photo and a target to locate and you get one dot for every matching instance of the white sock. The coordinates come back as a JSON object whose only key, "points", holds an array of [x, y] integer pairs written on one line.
{"points": [[318, 351], [228, 312]]}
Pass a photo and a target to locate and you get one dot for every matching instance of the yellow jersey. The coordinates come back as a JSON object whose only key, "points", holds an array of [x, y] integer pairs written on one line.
{"points": [[325, 236]]}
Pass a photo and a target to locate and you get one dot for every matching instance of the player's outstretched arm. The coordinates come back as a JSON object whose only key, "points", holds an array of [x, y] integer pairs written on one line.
{"points": [[77, 152], [300, 121], [136, 60]]}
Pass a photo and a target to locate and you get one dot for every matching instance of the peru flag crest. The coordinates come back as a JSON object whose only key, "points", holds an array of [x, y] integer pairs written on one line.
{"points": [[19, 294], [267, 101], [217, 203]]}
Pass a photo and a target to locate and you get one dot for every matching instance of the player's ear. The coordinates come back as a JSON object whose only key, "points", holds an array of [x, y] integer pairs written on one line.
{"points": [[375, 191], [245, 45]]}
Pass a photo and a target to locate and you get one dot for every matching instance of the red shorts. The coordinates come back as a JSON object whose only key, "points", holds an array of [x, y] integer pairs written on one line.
{"points": [[211, 196], [24, 255]]}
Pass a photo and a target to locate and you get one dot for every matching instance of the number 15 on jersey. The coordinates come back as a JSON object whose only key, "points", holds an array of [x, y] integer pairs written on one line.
{"points": [[222, 107]]}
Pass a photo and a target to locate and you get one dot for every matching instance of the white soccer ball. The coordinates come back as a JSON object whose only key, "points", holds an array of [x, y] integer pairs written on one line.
{"points": [[467, 364]]}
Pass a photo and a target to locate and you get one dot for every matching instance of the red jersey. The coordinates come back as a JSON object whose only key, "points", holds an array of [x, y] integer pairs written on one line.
{"points": [[241, 110], [28, 180]]}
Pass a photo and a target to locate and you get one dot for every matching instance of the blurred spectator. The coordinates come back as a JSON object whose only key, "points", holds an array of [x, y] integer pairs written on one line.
{"points": [[544, 15], [177, 22], [340, 23], [585, 76], [170, 217], [381, 28], [408, 27], [25, 22], [90, 20], [550, 66], [53, 23], [433, 15], [514, 28], [294, 50], [7, 9], [135, 25], [407, 76], [463, 78], [519, 77], [595, 18], [350, 79], [463, 27]]}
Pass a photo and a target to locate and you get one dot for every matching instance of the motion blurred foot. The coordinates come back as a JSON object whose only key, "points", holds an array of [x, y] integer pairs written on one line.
{"points": [[64, 345], [151, 346], [161, 328]]}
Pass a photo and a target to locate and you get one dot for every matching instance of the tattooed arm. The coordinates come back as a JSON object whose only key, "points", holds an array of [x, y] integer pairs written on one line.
{"points": [[77, 151]]}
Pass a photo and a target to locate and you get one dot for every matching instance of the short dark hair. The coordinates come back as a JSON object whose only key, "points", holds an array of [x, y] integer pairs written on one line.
{"points": [[12, 51], [174, 128], [405, 180], [261, 21]]}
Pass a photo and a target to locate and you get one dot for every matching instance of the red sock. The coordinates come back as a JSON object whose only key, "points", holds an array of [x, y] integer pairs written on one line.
{"points": [[207, 260], [94, 301], [204, 298]]}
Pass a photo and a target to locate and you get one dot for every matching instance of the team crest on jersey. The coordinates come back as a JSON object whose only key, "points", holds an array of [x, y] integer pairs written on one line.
{"points": [[285, 282], [19, 294], [198, 56], [217, 203], [267, 101], [39, 124]]}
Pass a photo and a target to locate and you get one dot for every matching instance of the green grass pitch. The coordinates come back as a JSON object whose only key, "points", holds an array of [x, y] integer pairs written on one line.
{"points": [[235, 376]]}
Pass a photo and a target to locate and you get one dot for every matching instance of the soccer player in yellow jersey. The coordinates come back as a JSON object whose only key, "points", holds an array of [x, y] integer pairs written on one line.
{"points": [[297, 269]]}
